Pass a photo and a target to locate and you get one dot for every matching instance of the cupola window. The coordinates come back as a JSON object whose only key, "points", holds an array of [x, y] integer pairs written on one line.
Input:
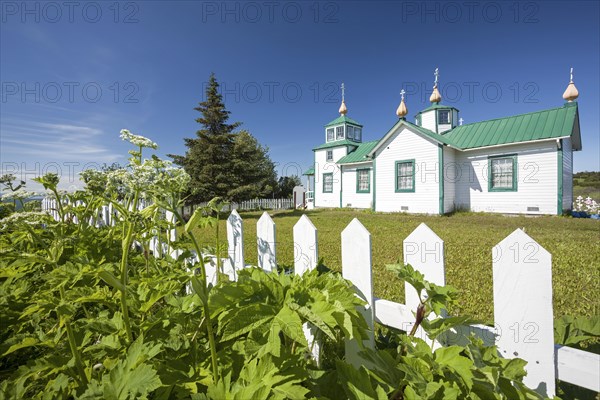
{"points": [[443, 117], [330, 137], [339, 132], [350, 132]]}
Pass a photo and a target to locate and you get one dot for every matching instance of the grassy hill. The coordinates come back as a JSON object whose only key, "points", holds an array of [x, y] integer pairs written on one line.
{"points": [[587, 184]]}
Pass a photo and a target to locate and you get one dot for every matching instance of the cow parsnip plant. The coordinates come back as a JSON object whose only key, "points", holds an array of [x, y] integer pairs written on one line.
{"points": [[87, 312]]}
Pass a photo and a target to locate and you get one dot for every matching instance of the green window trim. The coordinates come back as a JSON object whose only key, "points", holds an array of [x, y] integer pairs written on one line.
{"points": [[515, 171], [368, 190], [328, 175], [399, 190]]}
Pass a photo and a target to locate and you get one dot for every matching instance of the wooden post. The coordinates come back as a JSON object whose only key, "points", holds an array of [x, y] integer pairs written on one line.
{"points": [[523, 314], [265, 240], [356, 267]]}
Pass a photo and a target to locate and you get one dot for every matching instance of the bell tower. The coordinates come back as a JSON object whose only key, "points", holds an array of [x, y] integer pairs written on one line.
{"points": [[437, 117]]}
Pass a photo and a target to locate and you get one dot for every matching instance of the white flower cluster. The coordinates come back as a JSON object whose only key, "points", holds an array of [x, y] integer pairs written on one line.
{"points": [[588, 205], [137, 140], [29, 217], [19, 194], [153, 175]]}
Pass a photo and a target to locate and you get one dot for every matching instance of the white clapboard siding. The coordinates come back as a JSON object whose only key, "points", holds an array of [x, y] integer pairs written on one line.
{"points": [[266, 243], [522, 271], [357, 267]]}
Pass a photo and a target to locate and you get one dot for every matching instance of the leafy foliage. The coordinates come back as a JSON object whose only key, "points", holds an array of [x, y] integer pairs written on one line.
{"points": [[87, 313]]}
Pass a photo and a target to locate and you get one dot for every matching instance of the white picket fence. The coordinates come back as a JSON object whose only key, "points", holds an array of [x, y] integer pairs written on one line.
{"points": [[522, 287], [249, 205]]}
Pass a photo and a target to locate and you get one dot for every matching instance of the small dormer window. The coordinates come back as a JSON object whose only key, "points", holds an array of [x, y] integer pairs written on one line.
{"points": [[443, 117], [330, 135], [339, 132], [329, 155]]}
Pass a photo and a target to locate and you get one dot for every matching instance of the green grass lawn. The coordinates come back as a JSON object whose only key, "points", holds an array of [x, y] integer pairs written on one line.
{"points": [[468, 237]]}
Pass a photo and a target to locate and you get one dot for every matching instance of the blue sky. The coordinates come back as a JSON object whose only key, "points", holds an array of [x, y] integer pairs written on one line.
{"points": [[74, 74]]}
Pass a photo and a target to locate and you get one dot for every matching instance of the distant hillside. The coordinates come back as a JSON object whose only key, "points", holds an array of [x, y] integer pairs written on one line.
{"points": [[587, 184]]}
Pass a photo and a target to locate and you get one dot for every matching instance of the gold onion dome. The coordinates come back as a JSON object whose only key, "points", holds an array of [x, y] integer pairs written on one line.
{"points": [[402, 110], [571, 92], [343, 110], [435, 96]]}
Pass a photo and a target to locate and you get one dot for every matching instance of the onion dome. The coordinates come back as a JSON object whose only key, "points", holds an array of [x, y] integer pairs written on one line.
{"points": [[571, 93]]}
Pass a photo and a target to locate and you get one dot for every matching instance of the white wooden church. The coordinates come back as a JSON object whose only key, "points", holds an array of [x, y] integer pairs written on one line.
{"points": [[521, 164]]}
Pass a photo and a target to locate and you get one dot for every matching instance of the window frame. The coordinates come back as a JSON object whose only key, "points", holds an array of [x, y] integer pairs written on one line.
{"points": [[449, 117], [357, 134], [349, 128], [332, 135], [328, 174], [515, 173], [342, 136], [398, 189], [368, 190], [329, 153]]}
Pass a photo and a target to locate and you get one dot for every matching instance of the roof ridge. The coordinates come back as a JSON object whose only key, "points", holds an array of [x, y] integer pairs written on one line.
{"points": [[510, 116]]}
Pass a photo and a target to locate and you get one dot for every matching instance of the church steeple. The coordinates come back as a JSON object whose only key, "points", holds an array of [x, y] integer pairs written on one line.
{"points": [[435, 97], [437, 117], [402, 110], [343, 127], [571, 93], [343, 109]]}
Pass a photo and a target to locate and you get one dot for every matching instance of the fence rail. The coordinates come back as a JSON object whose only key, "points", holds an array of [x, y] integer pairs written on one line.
{"points": [[522, 282]]}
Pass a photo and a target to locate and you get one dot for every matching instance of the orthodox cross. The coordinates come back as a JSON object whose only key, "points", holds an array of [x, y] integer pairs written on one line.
{"points": [[571, 74], [436, 74], [460, 121], [343, 90], [402, 92]]}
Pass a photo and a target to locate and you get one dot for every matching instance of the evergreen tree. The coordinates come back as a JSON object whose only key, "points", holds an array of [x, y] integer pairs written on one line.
{"points": [[221, 162], [254, 171]]}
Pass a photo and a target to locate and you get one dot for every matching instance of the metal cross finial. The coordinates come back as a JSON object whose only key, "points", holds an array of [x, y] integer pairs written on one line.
{"points": [[571, 74], [402, 92], [343, 90], [460, 121], [436, 74]]}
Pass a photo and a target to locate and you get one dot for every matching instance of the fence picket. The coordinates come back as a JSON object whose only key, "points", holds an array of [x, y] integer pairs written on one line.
{"points": [[522, 271], [235, 239], [356, 267], [265, 241], [424, 251], [306, 252]]}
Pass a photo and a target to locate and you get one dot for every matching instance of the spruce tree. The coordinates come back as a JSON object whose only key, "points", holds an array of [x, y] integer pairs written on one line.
{"points": [[223, 163]]}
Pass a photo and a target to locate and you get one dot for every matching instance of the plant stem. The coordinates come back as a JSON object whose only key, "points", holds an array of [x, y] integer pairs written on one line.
{"points": [[73, 343], [205, 307], [127, 240]]}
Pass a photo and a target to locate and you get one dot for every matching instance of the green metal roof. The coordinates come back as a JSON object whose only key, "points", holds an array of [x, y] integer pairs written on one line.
{"points": [[359, 154], [310, 171], [436, 106], [547, 124], [337, 143], [341, 119]]}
